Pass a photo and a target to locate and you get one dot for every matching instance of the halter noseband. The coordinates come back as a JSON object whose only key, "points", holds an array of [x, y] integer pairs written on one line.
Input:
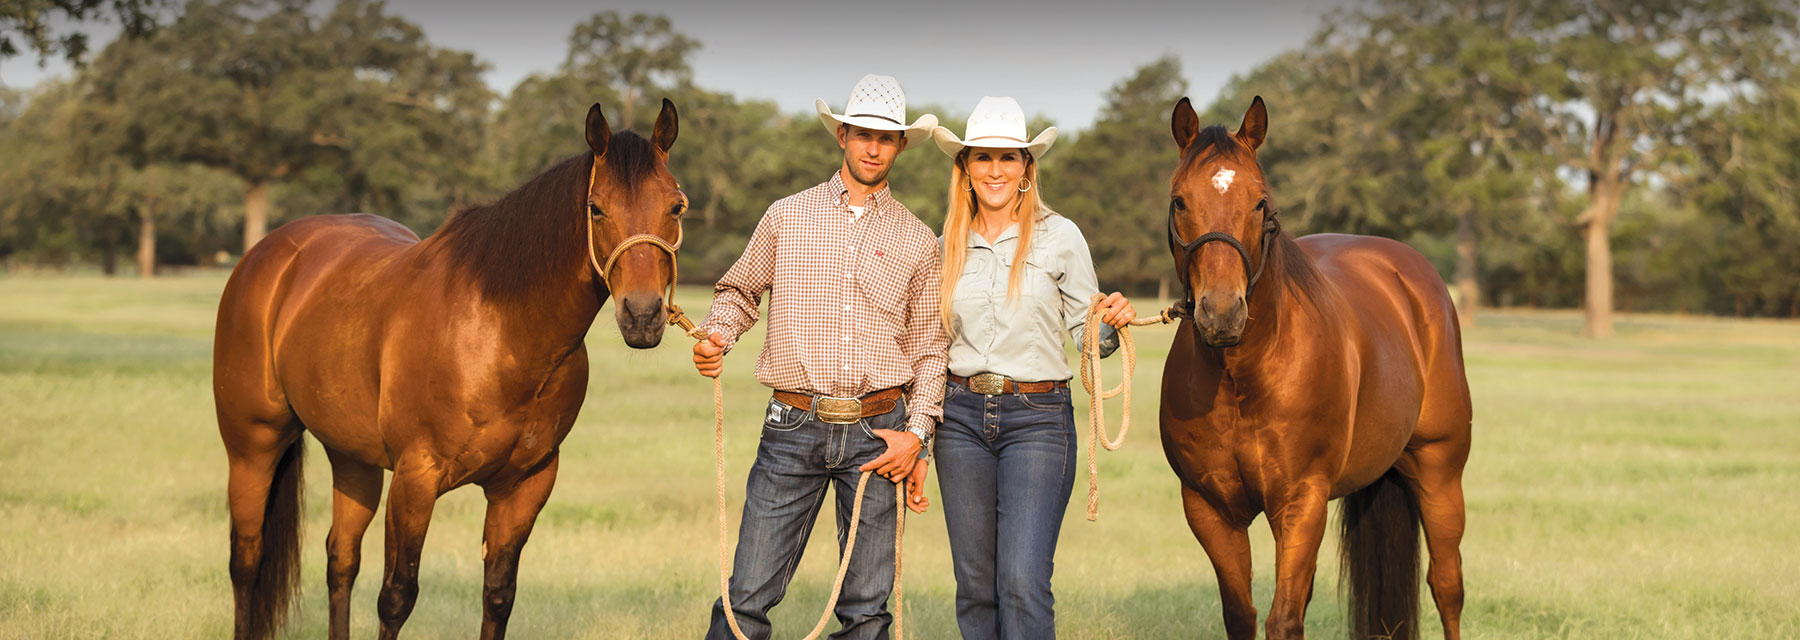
{"points": [[1271, 228], [642, 238]]}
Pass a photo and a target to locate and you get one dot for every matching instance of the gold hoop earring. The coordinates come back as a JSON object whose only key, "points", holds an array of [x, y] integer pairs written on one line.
{"points": [[1025, 185], [968, 185]]}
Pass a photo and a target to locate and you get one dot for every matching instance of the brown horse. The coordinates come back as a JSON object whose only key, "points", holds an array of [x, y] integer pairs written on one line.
{"points": [[450, 361], [1312, 369]]}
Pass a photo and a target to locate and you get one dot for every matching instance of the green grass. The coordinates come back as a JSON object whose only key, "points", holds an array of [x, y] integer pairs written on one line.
{"points": [[1646, 486]]}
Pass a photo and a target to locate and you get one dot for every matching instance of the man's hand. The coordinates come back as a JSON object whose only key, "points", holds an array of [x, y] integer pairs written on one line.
{"points": [[709, 355], [1115, 310], [915, 487], [902, 451]]}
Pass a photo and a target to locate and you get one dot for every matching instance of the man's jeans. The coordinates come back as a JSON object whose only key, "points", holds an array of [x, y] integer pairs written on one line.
{"points": [[798, 457], [1006, 465]]}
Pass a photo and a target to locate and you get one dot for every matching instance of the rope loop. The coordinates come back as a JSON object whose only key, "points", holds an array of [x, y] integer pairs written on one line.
{"points": [[1091, 382]]}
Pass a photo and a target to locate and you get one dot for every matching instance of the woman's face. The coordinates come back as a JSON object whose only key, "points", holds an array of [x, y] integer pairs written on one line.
{"points": [[995, 175]]}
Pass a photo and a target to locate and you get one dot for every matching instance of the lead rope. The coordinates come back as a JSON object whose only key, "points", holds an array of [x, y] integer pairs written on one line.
{"points": [[1090, 380]]}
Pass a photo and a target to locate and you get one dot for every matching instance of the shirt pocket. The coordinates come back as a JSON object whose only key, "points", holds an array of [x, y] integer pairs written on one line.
{"points": [[1039, 281]]}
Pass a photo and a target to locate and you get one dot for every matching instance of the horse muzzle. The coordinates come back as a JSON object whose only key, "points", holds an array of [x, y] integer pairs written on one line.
{"points": [[641, 319], [1219, 325]]}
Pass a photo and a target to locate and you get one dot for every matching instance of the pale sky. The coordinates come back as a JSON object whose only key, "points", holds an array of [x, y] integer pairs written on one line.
{"points": [[1057, 57]]}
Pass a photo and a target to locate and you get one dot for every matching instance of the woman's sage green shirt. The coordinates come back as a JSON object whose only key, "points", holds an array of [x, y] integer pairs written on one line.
{"points": [[1022, 339]]}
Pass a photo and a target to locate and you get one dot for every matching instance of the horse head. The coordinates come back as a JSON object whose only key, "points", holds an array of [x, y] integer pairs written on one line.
{"points": [[634, 209], [1221, 223]]}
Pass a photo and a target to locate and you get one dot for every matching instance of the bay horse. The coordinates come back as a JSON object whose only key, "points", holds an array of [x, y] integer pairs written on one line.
{"points": [[1309, 370], [454, 360]]}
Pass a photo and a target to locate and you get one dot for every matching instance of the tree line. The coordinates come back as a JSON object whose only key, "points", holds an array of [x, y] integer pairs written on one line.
{"points": [[1551, 153]]}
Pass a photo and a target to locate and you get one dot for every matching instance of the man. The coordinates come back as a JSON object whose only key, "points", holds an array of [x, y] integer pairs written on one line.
{"points": [[855, 354]]}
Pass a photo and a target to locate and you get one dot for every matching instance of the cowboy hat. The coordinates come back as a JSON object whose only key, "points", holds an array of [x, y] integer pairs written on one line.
{"points": [[997, 123], [876, 103]]}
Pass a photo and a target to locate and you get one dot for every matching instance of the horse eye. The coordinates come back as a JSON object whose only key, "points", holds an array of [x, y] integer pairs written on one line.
{"points": [[594, 210], [677, 210], [1262, 205], [1177, 204]]}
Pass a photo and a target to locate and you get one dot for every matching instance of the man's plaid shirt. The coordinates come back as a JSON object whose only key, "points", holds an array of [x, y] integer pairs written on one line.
{"points": [[853, 300]]}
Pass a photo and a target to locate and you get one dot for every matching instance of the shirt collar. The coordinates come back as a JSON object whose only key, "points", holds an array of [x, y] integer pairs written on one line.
{"points": [[876, 201]]}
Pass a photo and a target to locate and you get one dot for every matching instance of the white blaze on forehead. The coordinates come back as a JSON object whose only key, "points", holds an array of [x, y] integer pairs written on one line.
{"points": [[1222, 180]]}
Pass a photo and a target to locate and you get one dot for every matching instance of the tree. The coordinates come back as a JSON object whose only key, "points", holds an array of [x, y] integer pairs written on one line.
{"points": [[26, 23], [268, 96], [1639, 75], [1114, 178]]}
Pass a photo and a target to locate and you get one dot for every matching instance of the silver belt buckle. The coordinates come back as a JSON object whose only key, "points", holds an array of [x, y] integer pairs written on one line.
{"points": [[838, 410], [987, 384]]}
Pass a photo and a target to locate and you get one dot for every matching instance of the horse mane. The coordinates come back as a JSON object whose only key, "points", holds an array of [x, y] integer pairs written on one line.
{"points": [[533, 234], [1286, 259]]}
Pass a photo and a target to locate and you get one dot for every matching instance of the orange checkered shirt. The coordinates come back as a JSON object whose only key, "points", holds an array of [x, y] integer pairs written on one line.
{"points": [[853, 300]]}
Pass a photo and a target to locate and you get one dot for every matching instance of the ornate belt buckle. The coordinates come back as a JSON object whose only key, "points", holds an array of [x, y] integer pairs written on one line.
{"points": [[838, 410], [987, 384]]}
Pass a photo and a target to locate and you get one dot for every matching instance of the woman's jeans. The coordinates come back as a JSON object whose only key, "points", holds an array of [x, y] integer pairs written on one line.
{"points": [[1006, 465]]}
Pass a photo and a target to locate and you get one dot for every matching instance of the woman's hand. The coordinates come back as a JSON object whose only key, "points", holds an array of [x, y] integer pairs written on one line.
{"points": [[1115, 310], [915, 487]]}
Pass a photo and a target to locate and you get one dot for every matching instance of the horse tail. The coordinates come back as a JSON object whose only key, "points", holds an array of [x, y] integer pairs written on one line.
{"points": [[1379, 559], [278, 575]]}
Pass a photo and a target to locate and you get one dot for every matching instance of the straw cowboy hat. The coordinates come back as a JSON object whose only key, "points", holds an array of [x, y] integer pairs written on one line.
{"points": [[876, 103], [997, 123]]}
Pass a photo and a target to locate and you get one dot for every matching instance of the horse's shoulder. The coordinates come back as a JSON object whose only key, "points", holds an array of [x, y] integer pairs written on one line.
{"points": [[1343, 247]]}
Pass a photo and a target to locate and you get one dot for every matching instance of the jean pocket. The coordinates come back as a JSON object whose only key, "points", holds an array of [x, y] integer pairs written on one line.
{"points": [[1046, 401], [781, 417]]}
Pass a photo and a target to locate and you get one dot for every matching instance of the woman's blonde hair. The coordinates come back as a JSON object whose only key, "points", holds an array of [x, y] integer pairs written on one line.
{"points": [[961, 210]]}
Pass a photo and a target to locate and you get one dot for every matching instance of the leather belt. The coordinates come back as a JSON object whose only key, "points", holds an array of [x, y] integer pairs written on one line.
{"points": [[843, 410], [993, 384]]}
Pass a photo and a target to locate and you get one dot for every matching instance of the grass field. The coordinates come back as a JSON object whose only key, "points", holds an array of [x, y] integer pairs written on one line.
{"points": [[1646, 486]]}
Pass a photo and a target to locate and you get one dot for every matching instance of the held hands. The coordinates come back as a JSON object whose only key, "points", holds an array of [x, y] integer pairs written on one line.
{"points": [[709, 355], [915, 487], [1117, 311], [897, 463]]}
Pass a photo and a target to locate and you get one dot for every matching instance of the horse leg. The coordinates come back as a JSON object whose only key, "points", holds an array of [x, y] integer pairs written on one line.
{"points": [[1228, 546], [266, 458], [511, 512], [1299, 526], [411, 496], [355, 492], [1438, 483]]}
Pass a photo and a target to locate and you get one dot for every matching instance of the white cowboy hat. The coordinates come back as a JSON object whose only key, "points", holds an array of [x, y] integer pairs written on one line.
{"points": [[876, 103], [997, 123]]}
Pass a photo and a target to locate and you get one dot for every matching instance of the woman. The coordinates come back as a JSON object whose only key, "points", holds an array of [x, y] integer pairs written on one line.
{"points": [[1017, 278]]}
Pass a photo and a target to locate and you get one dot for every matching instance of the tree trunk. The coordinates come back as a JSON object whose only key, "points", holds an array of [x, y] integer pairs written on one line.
{"points": [[256, 214], [146, 251], [1601, 209], [1468, 291], [1162, 290]]}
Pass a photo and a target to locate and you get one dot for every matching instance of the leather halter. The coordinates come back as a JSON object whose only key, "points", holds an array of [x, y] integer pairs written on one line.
{"points": [[1271, 228], [642, 238]]}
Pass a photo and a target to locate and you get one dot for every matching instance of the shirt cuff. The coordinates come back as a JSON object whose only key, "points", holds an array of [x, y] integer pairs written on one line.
{"points": [[922, 421]]}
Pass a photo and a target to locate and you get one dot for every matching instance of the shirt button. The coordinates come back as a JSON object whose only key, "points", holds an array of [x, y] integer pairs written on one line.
{"points": [[846, 338], [846, 274], [846, 367], [846, 307]]}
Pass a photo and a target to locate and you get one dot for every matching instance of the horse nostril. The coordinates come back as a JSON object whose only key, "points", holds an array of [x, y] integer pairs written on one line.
{"points": [[1206, 305]]}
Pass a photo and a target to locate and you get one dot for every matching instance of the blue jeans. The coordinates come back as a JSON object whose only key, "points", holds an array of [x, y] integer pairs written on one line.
{"points": [[1006, 465], [799, 456]]}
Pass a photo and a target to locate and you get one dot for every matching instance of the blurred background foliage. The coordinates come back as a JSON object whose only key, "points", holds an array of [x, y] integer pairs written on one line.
{"points": [[1547, 153]]}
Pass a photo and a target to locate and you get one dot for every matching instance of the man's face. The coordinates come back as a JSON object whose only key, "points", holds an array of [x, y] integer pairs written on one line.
{"points": [[869, 153]]}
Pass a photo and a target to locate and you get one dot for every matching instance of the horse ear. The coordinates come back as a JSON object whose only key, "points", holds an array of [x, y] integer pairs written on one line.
{"points": [[664, 133], [1184, 123], [598, 134], [1255, 126]]}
